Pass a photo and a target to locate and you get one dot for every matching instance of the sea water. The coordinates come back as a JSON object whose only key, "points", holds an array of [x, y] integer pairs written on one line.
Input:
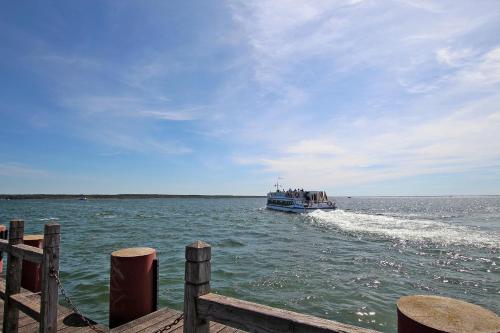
{"points": [[349, 265]]}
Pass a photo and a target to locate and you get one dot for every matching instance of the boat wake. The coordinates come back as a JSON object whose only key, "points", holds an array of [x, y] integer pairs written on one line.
{"points": [[405, 229]]}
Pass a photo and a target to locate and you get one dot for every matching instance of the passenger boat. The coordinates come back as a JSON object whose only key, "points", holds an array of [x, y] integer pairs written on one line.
{"points": [[298, 201]]}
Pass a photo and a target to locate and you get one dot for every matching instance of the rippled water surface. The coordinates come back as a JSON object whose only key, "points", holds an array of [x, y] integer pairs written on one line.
{"points": [[349, 265]]}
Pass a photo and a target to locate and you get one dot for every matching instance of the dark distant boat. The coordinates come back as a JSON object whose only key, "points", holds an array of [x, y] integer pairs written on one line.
{"points": [[82, 197], [298, 201]]}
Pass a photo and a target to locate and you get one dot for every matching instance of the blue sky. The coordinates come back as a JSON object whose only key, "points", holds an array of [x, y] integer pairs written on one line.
{"points": [[213, 97]]}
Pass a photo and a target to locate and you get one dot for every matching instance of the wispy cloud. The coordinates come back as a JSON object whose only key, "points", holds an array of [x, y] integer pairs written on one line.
{"points": [[431, 105], [105, 103], [13, 169], [129, 107], [178, 115], [454, 58]]}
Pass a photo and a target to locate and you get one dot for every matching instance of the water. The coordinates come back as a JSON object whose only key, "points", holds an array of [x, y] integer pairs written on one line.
{"points": [[349, 265]]}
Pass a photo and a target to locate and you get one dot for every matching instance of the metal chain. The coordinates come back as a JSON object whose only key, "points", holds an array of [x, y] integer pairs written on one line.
{"points": [[172, 324], [75, 310]]}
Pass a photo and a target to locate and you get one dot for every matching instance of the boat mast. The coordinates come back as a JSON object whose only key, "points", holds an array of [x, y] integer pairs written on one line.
{"points": [[277, 184]]}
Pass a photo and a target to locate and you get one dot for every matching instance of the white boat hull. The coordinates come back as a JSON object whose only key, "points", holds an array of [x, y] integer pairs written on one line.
{"points": [[297, 209]]}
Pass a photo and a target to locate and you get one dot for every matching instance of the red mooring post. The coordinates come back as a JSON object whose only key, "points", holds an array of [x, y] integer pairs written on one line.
{"points": [[3, 235], [32, 273], [436, 314], [133, 284]]}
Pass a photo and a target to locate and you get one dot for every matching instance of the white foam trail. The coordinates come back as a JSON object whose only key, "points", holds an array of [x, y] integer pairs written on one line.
{"points": [[405, 229]]}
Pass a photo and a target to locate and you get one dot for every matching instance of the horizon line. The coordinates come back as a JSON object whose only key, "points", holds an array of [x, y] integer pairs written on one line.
{"points": [[160, 195]]}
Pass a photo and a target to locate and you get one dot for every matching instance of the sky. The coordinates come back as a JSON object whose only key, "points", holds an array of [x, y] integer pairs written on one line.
{"points": [[223, 97]]}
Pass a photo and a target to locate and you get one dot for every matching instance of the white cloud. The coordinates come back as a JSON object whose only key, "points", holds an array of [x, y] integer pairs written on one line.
{"points": [[11, 169], [129, 106], [283, 33], [428, 5], [454, 58], [421, 96], [317, 146], [485, 72], [135, 142], [178, 115], [462, 141]]}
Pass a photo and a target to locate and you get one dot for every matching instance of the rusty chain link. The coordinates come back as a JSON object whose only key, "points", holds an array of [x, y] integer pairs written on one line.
{"points": [[75, 310], [169, 326]]}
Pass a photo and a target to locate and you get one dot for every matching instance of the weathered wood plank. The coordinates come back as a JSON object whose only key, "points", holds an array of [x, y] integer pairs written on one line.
{"points": [[50, 266], [2, 292], [197, 272], [66, 323], [179, 328], [154, 325], [4, 245], [72, 323], [146, 321], [28, 253], [198, 251], [138, 321], [28, 321], [85, 329], [216, 327], [24, 320], [162, 324], [33, 326], [13, 278], [197, 283], [27, 305], [260, 318], [227, 329]]}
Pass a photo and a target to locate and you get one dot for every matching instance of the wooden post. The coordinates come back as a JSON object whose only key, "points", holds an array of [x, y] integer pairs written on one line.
{"points": [[13, 278], [197, 283], [131, 285], [3, 235], [50, 265], [156, 282]]}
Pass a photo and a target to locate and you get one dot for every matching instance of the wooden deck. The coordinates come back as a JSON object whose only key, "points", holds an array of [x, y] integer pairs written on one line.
{"points": [[68, 322], [156, 320]]}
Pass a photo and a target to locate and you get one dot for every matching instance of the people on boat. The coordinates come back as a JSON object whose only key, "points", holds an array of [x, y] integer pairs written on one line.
{"points": [[295, 193]]}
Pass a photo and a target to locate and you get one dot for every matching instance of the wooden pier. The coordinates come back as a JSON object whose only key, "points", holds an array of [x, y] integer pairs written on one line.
{"points": [[22, 311], [69, 322]]}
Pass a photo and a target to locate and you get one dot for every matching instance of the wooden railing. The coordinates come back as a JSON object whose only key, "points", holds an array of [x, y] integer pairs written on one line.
{"points": [[201, 306], [45, 311]]}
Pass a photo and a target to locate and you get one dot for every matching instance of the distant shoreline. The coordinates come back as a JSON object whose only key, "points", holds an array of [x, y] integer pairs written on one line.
{"points": [[119, 196], [200, 196]]}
